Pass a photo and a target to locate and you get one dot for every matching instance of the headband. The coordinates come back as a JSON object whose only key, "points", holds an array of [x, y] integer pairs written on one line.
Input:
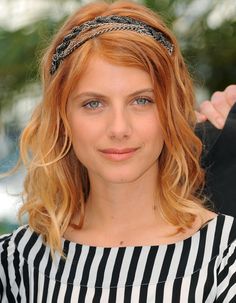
{"points": [[103, 25]]}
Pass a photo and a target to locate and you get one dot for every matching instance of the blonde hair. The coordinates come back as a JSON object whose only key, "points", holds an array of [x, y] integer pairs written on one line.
{"points": [[57, 184]]}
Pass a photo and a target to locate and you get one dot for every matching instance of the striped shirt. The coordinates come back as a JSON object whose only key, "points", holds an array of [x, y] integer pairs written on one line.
{"points": [[200, 269]]}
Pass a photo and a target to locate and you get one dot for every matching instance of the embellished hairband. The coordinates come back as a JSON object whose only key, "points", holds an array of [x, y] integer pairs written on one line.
{"points": [[108, 24]]}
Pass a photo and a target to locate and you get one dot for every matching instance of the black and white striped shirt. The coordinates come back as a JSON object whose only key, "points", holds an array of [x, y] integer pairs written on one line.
{"points": [[200, 269]]}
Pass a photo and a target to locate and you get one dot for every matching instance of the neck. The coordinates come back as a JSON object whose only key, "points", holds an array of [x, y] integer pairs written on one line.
{"points": [[126, 214], [123, 206]]}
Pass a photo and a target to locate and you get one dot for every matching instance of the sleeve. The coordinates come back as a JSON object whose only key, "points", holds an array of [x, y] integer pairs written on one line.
{"points": [[226, 278], [11, 265], [4, 242], [212, 138], [219, 162]]}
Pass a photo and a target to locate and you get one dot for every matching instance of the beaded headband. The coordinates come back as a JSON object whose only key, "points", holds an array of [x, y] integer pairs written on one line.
{"points": [[72, 41]]}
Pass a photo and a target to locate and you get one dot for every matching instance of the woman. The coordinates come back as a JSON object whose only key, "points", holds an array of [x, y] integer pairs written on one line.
{"points": [[112, 190]]}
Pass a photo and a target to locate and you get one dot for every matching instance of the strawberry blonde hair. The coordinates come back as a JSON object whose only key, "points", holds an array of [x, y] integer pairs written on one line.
{"points": [[57, 184]]}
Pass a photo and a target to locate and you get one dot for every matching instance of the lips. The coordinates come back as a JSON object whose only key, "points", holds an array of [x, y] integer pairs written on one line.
{"points": [[118, 151], [117, 154]]}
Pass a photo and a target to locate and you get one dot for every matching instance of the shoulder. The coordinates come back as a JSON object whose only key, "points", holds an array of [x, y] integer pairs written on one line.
{"points": [[18, 243], [226, 260], [212, 241], [223, 235], [223, 230], [226, 230], [19, 253], [8, 241]]}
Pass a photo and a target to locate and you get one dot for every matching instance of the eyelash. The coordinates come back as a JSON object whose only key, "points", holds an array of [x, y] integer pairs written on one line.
{"points": [[86, 105], [145, 98], [89, 103]]}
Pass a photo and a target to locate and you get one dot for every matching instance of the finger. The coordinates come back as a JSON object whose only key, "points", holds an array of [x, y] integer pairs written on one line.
{"points": [[231, 94], [200, 117], [221, 103], [207, 109]]}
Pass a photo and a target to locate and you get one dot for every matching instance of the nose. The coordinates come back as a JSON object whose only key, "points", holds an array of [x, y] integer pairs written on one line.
{"points": [[120, 124]]}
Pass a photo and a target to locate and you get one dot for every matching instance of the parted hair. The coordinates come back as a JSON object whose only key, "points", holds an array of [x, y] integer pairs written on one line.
{"points": [[57, 184]]}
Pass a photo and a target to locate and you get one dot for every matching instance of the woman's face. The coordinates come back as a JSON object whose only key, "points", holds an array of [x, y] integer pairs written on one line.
{"points": [[113, 116]]}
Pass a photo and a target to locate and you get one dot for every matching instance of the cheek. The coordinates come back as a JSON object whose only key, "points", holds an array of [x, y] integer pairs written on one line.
{"points": [[158, 141], [152, 131], [81, 131], [84, 137], [80, 144], [79, 137]]}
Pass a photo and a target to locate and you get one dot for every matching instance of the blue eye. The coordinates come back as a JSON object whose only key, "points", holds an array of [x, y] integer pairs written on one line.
{"points": [[92, 104], [143, 101]]}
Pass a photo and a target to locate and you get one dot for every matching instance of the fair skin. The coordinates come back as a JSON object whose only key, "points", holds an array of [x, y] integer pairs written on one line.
{"points": [[217, 108], [119, 111]]}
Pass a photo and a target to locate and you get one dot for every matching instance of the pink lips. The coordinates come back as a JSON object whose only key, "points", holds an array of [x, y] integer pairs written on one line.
{"points": [[118, 154]]}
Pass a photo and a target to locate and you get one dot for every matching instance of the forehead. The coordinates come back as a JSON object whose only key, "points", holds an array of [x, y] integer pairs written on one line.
{"points": [[104, 76]]}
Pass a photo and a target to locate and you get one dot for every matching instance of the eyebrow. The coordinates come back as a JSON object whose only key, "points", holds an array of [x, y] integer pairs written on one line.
{"points": [[93, 94]]}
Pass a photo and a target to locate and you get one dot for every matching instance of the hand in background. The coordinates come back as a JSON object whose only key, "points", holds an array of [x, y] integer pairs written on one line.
{"points": [[216, 110]]}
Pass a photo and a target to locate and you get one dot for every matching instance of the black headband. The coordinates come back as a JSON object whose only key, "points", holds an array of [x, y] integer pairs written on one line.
{"points": [[114, 23]]}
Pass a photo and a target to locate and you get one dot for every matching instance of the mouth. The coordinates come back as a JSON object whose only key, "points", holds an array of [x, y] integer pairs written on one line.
{"points": [[118, 154]]}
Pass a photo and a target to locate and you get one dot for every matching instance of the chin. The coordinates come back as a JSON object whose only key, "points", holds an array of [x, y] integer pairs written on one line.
{"points": [[116, 178]]}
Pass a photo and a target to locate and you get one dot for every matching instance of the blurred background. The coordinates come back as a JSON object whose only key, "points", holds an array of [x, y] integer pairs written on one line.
{"points": [[206, 30]]}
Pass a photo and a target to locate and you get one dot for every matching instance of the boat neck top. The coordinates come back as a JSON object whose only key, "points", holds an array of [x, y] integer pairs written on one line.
{"points": [[201, 268]]}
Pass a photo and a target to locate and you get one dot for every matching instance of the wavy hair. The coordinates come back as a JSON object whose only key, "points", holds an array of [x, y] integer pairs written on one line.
{"points": [[57, 184]]}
